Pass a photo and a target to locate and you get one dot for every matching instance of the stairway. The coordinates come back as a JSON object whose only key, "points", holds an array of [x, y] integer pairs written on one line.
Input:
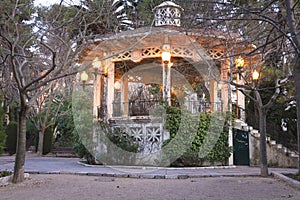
{"points": [[277, 154]]}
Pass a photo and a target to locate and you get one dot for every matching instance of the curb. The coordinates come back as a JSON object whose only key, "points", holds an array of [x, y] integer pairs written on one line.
{"points": [[144, 175], [155, 168], [6, 180], [286, 179]]}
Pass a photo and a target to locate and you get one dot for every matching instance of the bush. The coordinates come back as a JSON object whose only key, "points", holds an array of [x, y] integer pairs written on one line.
{"points": [[65, 125], [11, 139], [117, 138], [5, 173], [82, 151], [31, 134], [206, 132], [48, 140], [2, 133]]}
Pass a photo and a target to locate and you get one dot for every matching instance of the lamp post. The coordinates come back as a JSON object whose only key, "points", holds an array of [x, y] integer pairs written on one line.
{"points": [[166, 61], [262, 111], [84, 77], [239, 64], [96, 65], [101, 70], [255, 76]]}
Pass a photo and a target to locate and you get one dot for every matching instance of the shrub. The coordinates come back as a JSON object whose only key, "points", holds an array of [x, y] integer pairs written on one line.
{"points": [[5, 173], [31, 134], [196, 154], [82, 151], [65, 125], [116, 137], [11, 139], [2, 132], [48, 140]]}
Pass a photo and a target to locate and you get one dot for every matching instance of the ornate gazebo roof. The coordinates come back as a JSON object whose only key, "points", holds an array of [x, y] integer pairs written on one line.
{"points": [[147, 42]]}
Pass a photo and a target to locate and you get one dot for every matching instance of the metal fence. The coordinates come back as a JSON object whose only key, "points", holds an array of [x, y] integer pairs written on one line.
{"points": [[144, 108]]}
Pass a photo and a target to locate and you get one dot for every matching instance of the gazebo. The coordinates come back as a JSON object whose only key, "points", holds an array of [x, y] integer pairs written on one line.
{"points": [[134, 72]]}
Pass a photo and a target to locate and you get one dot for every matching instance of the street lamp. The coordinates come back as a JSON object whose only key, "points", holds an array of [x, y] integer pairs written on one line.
{"points": [[117, 85], [96, 65], [166, 57], [255, 75], [84, 77], [239, 63]]}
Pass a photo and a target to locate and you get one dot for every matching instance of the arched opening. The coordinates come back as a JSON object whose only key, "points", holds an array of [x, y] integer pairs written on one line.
{"points": [[140, 86]]}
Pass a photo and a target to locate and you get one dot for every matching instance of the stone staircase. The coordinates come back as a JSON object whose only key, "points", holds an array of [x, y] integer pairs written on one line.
{"points": [[277, 154]]}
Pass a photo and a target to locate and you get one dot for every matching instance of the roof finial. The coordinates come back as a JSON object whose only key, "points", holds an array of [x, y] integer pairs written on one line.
{"points": [[167, 14]]}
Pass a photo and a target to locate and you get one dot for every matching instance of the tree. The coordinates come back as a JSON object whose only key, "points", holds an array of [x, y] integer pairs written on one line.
{"points": [[273, 27], [34, 62], [43, 113], [2, 131], [292, 19], [45, 52]]}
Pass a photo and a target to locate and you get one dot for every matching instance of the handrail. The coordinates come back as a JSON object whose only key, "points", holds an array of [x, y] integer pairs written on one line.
{"points": [[143, 107]]}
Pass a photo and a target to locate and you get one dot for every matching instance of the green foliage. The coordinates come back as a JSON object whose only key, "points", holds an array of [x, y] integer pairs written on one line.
{"points": [[65, 124], [283, 109], [31, 134], [83, 119], [207, 144], [48, 140], [5, 173], [11, 140], [121, 140], [117, 138], [87, 131], [82, 151], [144, 10], [2, 132]]}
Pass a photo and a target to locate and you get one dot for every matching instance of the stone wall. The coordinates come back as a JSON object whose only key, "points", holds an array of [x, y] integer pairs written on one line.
{"points": [[277, 155]]}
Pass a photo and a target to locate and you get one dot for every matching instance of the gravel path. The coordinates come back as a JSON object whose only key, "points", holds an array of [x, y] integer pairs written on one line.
{"points": [[73, 187]]}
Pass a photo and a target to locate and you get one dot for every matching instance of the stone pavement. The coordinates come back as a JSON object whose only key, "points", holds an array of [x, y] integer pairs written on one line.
{"points": [[59, 165]]}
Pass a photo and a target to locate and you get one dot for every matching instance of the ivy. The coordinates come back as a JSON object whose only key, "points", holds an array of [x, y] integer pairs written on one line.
{"points": [[210, 137]]}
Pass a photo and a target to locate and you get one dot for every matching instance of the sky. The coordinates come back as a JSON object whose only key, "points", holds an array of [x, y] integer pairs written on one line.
{"points": [[49, 2]]}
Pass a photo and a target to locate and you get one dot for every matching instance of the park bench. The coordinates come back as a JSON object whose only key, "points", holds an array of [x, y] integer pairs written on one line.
{"points": [[64, 151]]}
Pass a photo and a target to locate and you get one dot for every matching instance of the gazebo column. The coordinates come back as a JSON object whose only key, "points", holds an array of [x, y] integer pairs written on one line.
{"points": [[213, 90], [227, 103], [225, 89], [124, 96], [166, 75], [110, 87], [97, 97], [167, 82]]}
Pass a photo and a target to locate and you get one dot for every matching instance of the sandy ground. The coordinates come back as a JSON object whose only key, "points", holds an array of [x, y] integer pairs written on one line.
{"points": [[66, 187]]}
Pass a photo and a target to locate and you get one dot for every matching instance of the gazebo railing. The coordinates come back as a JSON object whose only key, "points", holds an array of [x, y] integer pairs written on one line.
{"points": [[144, 107]]}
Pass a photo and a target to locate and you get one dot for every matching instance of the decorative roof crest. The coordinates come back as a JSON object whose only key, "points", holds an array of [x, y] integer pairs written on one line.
{"points": [[167, 14]]}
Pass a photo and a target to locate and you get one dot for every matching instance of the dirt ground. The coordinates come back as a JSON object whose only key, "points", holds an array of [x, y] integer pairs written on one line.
{"points": [[67, 187]]}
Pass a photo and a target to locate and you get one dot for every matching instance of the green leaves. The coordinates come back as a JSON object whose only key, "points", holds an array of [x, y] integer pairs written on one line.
{"points": [[209, 138]]}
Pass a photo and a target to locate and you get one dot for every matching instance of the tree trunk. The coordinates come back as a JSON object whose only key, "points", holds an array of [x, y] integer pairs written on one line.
{"points": [[262, 112], [292, 25], [297, 95], [41, 142], [263, 142], [21, 145]]}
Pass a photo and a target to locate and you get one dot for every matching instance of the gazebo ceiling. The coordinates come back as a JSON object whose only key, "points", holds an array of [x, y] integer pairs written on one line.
{"points": [[146, 42], [142, 39]]}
